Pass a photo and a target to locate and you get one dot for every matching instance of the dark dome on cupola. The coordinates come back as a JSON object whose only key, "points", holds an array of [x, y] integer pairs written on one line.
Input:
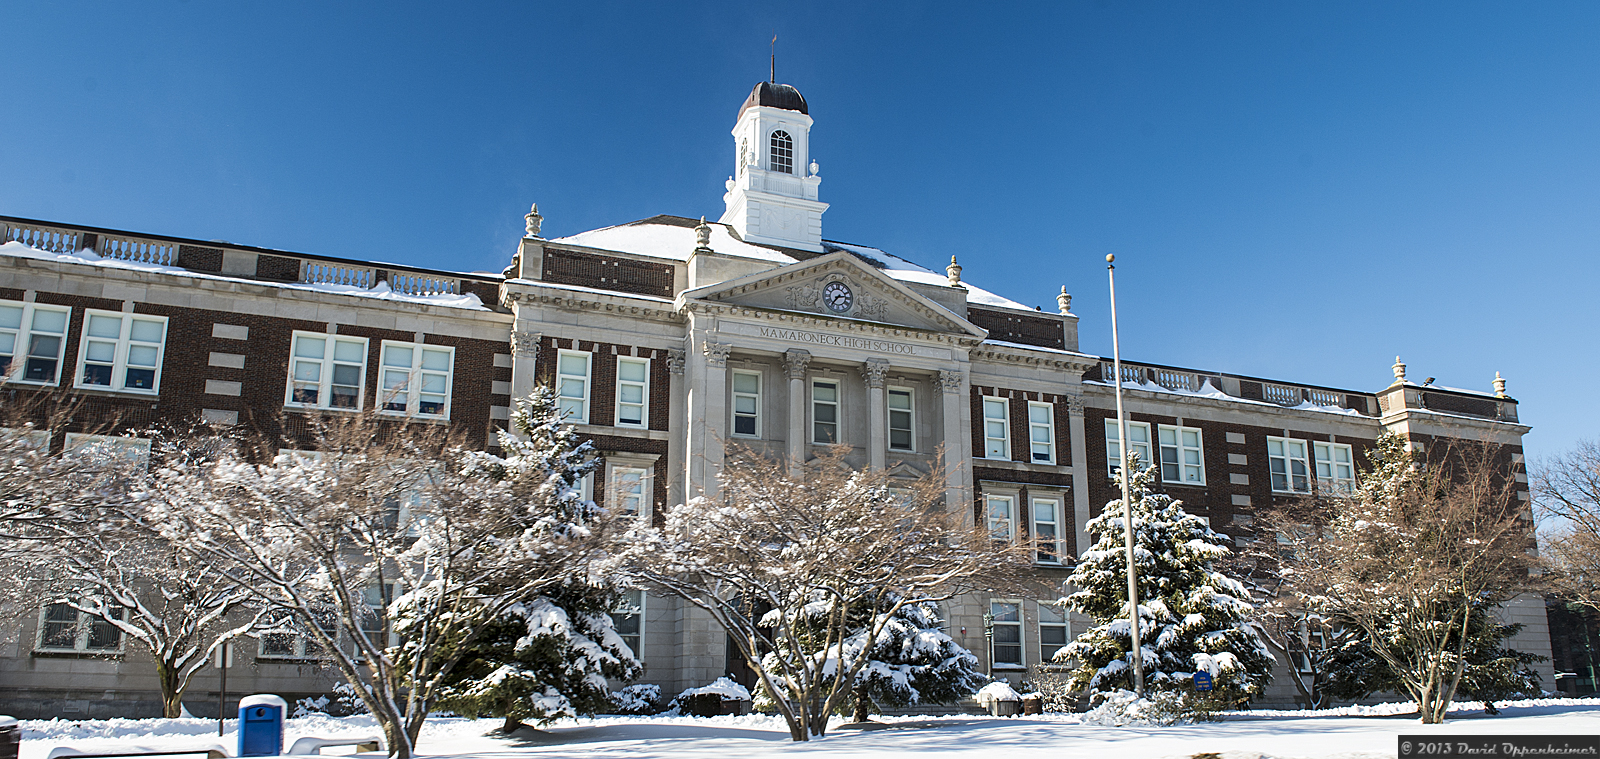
{"points": [[775, 95]]}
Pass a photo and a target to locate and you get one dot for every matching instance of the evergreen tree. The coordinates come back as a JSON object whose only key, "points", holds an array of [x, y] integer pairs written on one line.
{"points": [[1192, 617], [913, 661], [547, 656]]}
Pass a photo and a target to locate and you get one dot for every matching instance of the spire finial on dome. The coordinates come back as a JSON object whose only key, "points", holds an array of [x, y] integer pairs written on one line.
{"points": [[774, 78]]}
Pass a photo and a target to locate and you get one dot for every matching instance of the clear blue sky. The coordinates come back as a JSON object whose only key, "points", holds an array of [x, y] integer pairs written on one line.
{"points": [[1294, 190]]}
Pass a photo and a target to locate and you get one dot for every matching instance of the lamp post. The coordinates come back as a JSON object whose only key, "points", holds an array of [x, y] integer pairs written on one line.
{"points": [[1127, 508], [988, 636]]}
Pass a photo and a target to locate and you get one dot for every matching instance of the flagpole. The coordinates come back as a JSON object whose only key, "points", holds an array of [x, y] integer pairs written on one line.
{"points": [[1127, 507]]}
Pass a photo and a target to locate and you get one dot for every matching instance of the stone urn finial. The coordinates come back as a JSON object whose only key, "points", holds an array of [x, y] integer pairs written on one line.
{"points": [[1064, 301], [953, 271], [1399, 370], [534, 221], [1500, 386], [816, 170], [702, 235]]}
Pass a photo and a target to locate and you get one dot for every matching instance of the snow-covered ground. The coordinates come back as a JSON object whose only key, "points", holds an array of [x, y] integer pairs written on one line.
{"points": [[1368, 731]]}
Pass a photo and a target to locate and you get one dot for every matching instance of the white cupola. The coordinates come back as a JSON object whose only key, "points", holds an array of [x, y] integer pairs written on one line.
{"points": [[772, 195]]}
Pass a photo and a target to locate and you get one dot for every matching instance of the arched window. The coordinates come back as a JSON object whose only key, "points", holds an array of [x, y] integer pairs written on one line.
{"points": [[782, 152]]}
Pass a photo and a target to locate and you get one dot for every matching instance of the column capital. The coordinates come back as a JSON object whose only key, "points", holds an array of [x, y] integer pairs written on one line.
{"points": [[1075, 404], [875, 371], [717, 353], [525, 344], [950, 380], [796, 361], [675, 360]]}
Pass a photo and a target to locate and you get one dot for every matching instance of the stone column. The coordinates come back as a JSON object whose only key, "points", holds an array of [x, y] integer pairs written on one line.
{"points": [[795, 362], [677, 439], [957, 440], [874, 372], [708, 417], [524, 362], [1080, 472]]}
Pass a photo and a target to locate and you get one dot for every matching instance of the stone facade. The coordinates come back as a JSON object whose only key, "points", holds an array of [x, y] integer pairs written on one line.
{"points": [[776, 344]]}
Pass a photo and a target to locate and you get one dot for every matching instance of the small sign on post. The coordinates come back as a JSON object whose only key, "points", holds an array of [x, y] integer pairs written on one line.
{"points": [[222, 659], [1202, 681]]}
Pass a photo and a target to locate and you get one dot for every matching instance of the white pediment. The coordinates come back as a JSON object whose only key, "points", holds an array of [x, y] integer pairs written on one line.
{"points": [[840, 286]]}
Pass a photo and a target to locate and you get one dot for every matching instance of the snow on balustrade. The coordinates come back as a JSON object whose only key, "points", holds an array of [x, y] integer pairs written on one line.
{"points": [[48, 239], [1326, 397], [136, 250], [1282, 395], [1172, 380], [413, 284], [323, 273]]}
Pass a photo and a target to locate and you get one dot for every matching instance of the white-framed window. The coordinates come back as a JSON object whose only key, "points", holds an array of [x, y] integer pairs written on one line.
{"points": [[824, 411], [1007, 634], [1002, 516], [628, 620], [747, 404], [572, 385], [63, 628], [996, 428], [633, 392], [586, 487], [1138, 445], [374, 622], [902, 419], [33, 338], [1310, 641], [1336, 471], [1041, 432], [1054, 630], [1181, 457], [326, 371], [415, 379], [782, 152], [121, 352], [133, 450], [628, 490], [1047, 528], [1286, 463]]}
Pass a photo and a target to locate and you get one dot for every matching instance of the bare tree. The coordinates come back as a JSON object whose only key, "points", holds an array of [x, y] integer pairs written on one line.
{"points": [[1408, 557], [390, 520], [1567, 492], [781, 563]]}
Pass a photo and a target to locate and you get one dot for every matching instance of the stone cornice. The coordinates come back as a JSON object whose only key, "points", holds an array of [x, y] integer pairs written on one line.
{"points": [[1447, 419], [620, 304], [819, 321], [1043, 359]]}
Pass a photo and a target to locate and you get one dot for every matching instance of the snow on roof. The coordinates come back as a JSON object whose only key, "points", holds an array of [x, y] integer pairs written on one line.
{"points": [[1463, 391], [379, 291], [1208, 390], [670, 241], [905, 271]]}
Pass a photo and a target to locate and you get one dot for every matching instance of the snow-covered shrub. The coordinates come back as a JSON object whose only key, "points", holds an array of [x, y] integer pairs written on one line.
{"points": [[722, 687], [639, 698], [1121, 708], [1053, 683], [306, 707]]}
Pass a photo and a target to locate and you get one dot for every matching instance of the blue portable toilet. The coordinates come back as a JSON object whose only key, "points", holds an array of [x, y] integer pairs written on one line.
{"points": [[261, 725]]}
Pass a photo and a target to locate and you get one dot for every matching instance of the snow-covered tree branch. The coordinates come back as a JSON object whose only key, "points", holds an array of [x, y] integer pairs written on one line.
{"points": [[781, 562]]}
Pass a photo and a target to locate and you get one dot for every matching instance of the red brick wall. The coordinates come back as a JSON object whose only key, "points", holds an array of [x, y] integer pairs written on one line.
{"points": [[1018, 328], [625, 275]]}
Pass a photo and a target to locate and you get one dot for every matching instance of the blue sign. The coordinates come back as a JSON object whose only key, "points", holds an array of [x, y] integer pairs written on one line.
{"points": [[1202, 681]]}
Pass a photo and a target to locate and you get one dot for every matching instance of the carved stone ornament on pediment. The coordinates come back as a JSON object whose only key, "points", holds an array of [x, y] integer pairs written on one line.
{"points": [[837, 295]]}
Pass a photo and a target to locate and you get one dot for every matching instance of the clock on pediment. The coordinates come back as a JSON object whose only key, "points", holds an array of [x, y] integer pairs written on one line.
{"points": [[838, 297]]}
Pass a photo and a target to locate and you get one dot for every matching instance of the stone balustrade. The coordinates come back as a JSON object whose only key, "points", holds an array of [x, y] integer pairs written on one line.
{"points": [[214, 257]]}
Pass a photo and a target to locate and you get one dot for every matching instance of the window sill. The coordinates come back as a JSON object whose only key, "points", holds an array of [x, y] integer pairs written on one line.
{"points": [[414, 417], [58, 653], [320, 409], [115, 391], [1184, 484], [1010, 668]]}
